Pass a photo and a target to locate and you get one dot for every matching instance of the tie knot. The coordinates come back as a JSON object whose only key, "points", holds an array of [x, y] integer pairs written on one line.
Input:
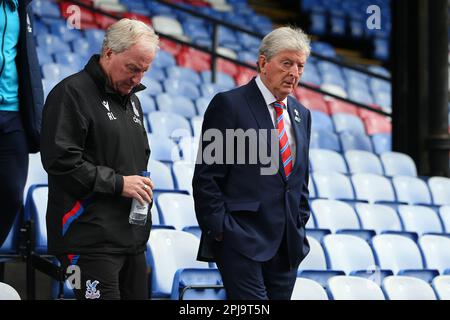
{"points": [[278, 104]]}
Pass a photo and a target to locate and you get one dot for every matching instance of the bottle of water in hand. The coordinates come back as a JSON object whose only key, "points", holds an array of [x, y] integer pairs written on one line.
{"points": [[138, 213]]}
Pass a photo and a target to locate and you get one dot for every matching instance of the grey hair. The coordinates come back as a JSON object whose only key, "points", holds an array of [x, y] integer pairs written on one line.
{"points": [[284, 38], [125, 33]]}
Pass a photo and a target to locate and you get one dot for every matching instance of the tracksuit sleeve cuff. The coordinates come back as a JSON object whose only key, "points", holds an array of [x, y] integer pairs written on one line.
{"points": [[119, 185]]}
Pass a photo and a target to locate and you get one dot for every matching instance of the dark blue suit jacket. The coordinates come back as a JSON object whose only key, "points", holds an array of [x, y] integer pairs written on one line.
{"points": [[253, 211]]}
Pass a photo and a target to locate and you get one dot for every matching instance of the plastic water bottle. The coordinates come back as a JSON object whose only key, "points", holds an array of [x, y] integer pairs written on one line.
{"points": [[138, 213]]}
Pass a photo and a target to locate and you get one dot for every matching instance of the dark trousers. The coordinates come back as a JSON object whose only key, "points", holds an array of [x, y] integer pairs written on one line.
{"points": [[245, 279], [13, 169], [109, 276]]}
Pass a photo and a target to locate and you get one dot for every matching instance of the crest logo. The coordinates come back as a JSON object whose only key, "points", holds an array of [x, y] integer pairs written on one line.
{"points": [[91, 290]]}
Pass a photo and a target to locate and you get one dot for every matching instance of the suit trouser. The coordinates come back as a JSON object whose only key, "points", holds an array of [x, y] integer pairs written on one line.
{"points": [[246, 279], [13, 169]]}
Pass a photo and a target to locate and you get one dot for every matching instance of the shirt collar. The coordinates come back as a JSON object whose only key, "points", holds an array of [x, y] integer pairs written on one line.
{"points": [[269, 98]]}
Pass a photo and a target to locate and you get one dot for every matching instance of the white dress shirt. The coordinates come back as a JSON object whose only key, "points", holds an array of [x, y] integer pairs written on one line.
{"points": [[269, 98]]}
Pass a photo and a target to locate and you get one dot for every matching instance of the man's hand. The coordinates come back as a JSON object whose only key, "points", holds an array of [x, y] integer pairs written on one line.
{"points": [[139, 188]]}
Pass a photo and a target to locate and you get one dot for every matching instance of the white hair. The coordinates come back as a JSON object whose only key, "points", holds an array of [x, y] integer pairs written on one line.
{"points": [[284, 38], [126, 32]]}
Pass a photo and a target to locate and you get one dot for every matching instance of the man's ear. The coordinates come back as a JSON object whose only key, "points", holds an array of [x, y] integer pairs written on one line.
{"points": [[262, 63], [107, 53]]}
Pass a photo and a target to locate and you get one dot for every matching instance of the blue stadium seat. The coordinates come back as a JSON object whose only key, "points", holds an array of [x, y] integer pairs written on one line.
{"points": [[436, 252], [43, 56], [153, 87], [176, 210], [441, 285], [411, 190], [354, 288], [373, 188], [76, 62], [324, 139], [201, 104], [196, 123], [163, 59], [197, 284], [440, 190], [378, 217], [307, 289], [363, 162], [326, 161], [160, 175], [444, 212], [60, 29], [170, 250], [36, 209], [333, 185], [407, 288], [355, 141], [382, 142], [183, 74], [420, 219], [348, 122], [222, 79], [315, 260], [396, 253], [51, 43], [321, 121], [348, 253], [56, 72], [183, 172], [45, 8], [84, 48], [187, 89], [169, 124], [398, 164], [195, 230], [163, 148], [178, 104], [36, 173], [147, 103], [334, 215]]}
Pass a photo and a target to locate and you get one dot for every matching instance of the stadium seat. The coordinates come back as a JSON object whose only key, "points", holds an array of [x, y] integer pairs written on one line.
{"points": [[177, 104], [163, 59], [56, 72], [334, 215], [407, 288], [339, 106], [177, 210], [8, 293], [36, 173], [327, 161], [197, 284], [420, 219], [163, 148], [348, 122], [440, 190], [147, 104], [196, 123], [411, 190], [167, 25], [395, 252], [333, 185], [36, 209], [183, 172], [378, 217], [166, 124], [444, 212], [372, 187], [355, 141], [187, 89], [324, 139], [348, 253], [183, 74], [382, 142], [321, 121], [398, 164], [170, 250], [201, 104], [354, 288], [315, 260], [306, 289], [436, 252], [160, 175], [363, 162], [441, 285]]}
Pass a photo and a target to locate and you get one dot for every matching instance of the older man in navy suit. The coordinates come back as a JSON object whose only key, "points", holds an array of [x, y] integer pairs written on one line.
{"points": [[253, 223]]}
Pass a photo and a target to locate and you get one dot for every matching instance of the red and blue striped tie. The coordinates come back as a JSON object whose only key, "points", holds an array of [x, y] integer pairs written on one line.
{"points": [[285, 149]]}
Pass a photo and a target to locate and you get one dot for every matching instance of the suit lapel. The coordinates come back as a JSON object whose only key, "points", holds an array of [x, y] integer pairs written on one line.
{"points": [[295, 115], [258, 107]]}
